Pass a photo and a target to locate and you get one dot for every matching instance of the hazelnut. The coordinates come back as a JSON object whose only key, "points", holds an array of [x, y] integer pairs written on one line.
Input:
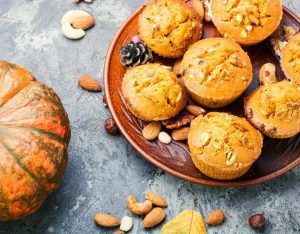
{"points": [[257, 221], [104, 101], [111, 126]]}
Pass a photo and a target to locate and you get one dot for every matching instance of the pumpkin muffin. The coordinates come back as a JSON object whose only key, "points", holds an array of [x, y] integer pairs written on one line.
{"points": [[291, 59], [275, 109], [216, 71], [152, 92], [223, 146], [247, 21], [168, 27]]}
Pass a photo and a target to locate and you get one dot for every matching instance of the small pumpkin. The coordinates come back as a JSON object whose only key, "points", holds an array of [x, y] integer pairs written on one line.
{"points": [[34, 138]]}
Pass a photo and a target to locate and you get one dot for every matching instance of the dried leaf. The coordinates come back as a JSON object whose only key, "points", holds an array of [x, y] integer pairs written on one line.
{"points": [[187, 222]]}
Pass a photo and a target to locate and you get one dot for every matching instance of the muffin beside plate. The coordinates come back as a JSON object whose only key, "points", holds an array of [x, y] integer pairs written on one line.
{"points": [[168, 27], [247, 21], [224, 146], [274, 109], [290, 61], [216, 71], [152, 92]]}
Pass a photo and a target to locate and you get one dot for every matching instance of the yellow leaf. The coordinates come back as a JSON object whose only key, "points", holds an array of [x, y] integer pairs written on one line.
{"points": [[187, 222]]}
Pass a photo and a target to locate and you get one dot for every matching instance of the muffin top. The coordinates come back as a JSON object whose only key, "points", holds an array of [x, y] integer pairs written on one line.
{"points": [[291, 59], [152, 92], [168, 27], [224, 141], [275, 109], [247, 21], [216, 68]]}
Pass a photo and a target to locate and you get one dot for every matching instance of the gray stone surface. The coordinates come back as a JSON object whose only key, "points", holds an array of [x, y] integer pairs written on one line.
{"points": [[104, 170]]}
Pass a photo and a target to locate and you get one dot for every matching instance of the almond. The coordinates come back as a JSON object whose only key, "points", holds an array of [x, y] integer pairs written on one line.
{"points": [[199, 8], [216, 217], [155, 217], [152, 130], [119, 232], [89, 83], [156, 199], [106, 220], [83, 22], [196, 110], [180, 134]]}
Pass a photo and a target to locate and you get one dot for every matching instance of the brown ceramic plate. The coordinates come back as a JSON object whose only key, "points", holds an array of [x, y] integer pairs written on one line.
{"points": [[278, 156]]}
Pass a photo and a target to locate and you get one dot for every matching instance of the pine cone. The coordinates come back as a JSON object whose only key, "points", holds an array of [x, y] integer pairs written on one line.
{"points": [[135, 53]]}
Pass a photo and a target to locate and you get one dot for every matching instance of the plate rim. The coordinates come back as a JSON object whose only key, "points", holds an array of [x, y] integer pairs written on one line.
{"points": [[156, 163]]}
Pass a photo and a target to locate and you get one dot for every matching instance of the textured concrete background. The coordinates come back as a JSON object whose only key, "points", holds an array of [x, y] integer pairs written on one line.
{"points": [[104, 170]]}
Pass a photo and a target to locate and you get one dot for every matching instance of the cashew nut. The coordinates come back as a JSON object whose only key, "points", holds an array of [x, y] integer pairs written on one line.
{"points": [[267, 74], [71, 32], [66, 22], [138, 208]]}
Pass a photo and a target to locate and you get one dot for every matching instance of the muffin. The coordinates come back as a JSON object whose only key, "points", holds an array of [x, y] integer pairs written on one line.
{"points": [[247, 21], [274, 109], [291, 59], [223, 146], [168, 27], [216, 71], [152, 92]]}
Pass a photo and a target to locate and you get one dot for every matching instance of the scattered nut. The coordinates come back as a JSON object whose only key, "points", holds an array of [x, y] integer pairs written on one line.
{"points": [[180, 134], [183, 119], [196, 110], [267, 74], [111, 126], [176, 67], [106, 220], [76, 1], [138, 208], [216, 217], [257, 221], [126, 223], [155, 217], [73, 14], [72, 33], [119, 232], [199, 8], [156, 199], [67, 28], [83, 22], [89, 83], [151, 131], [164, 138]]}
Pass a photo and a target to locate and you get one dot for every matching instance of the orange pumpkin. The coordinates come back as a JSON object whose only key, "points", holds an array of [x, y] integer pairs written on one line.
{"points": [[34, 138]]}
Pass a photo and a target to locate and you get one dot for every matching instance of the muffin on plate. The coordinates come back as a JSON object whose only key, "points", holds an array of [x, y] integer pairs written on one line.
{"points": [[290, 61], [247, 21], [152, 92], [168, 27], [274, 109], [224, 146], [216, 71]]}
